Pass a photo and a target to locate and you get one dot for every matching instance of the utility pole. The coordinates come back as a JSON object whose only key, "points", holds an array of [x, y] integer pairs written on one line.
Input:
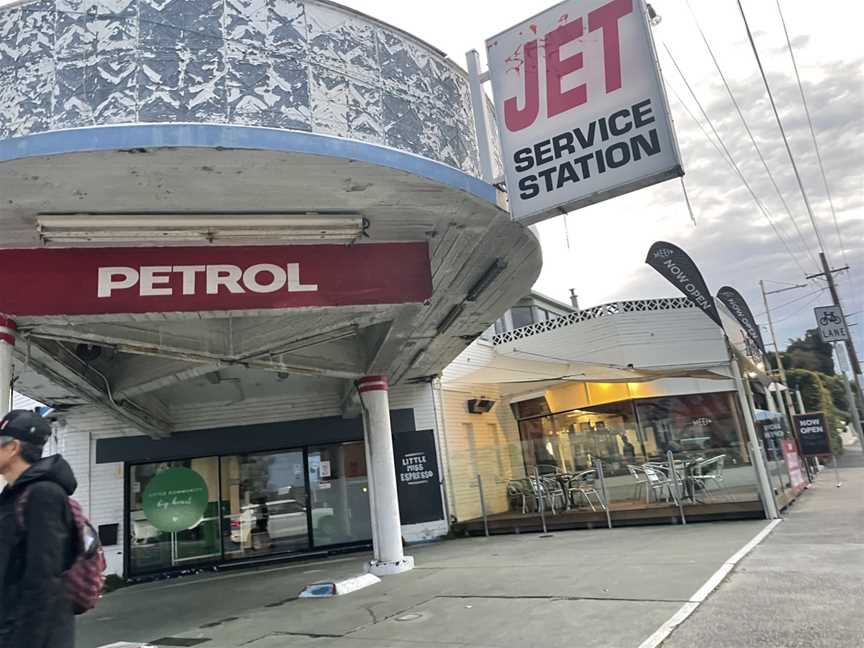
{"points": [[787, 395], [853, 405], [828, 273]]}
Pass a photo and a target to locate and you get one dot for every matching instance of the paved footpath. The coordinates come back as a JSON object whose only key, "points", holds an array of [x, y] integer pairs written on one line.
{"points": [[803, 586]]}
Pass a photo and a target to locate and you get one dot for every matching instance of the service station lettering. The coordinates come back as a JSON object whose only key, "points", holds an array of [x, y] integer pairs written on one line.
{"points": [[577, 154]]}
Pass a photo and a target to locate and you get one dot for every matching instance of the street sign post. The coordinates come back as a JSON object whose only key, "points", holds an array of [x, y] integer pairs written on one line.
{"points": [[831, 323], [583, 116]]}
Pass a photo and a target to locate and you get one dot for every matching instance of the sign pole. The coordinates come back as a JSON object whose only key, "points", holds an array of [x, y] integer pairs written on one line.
{"points": [[836, 470], [853, 407], [478, 107], [787, 396]]}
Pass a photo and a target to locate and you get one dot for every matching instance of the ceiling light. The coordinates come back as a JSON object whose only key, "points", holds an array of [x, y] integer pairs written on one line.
{"points": [[88, 228]]}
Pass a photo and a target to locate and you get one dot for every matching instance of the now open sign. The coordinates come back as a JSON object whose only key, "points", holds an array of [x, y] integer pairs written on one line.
{"points": [[581, 108]]}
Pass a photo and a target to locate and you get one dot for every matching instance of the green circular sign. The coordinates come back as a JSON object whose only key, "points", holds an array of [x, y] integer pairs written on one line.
{"points": [[175, 499]]}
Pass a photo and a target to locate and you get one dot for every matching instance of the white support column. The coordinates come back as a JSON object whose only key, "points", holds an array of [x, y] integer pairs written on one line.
{"points": [[7, 345], [745, 399], [383, 496]]}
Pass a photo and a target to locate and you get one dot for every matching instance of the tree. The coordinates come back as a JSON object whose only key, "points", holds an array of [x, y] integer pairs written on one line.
{"points": [[810, 353]]}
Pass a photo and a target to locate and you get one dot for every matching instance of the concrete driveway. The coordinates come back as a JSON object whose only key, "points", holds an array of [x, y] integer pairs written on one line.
{"points": [[588, 588]]}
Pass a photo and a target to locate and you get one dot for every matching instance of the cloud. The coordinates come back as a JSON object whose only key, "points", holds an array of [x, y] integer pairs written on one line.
{"points": [[733, 243]]}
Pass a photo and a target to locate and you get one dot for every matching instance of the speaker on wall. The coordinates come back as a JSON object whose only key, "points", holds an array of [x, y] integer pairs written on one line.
{"points": [[480, 405]]}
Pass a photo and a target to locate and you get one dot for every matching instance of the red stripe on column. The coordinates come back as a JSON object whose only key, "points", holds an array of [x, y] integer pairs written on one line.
{"points": [[8, 339], [372, 383], [8, 323]]}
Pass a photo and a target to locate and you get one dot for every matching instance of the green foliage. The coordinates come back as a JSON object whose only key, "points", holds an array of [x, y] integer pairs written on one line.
{"points": [[809, 353], [817, 397]]}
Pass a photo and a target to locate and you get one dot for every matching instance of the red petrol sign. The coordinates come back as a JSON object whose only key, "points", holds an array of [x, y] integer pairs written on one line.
{"points": [[101, 281]]}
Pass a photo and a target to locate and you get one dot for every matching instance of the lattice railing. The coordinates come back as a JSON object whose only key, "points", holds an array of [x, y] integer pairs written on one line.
{"points": [[604, 310]]}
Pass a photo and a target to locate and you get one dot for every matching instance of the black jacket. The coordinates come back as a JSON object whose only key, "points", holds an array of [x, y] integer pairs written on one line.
{"points": [[34, 612]]}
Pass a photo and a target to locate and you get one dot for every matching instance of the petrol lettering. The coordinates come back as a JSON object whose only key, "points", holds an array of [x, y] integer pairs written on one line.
{"points": [[190, 280]]}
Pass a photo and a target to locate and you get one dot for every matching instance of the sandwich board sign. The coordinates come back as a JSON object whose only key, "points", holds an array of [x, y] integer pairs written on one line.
{"points": [[831, 323], [812, 432], [582, 112]]}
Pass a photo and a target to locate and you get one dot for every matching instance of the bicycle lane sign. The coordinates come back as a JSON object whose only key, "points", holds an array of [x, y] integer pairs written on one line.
{"points": [[832, 326]]}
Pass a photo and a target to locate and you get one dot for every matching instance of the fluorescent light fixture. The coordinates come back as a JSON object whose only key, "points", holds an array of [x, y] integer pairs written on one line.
{"points": [[204, 228]]}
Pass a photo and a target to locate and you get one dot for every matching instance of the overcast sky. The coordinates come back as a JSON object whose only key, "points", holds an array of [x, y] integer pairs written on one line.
{"points": [[601, 249], [603, 255]]}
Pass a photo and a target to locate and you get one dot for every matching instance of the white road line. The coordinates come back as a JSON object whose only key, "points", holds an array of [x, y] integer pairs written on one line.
{"points": [[702, 593]]}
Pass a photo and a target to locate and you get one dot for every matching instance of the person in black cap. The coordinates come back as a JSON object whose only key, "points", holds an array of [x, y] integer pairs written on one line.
{"points": [[34, 611]]}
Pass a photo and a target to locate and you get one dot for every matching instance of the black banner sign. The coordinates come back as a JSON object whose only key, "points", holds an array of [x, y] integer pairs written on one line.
{"points": [[812, 432], [773, 430], [417, 479], [735, 303], [673, 263]]}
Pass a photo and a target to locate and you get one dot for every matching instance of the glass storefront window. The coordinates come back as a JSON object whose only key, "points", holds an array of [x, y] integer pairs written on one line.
{"points": [[522, 316], [631, 438], [569, 442], [265, 499], [695, 424], [152, 549], [339, 494], [257, 505]]}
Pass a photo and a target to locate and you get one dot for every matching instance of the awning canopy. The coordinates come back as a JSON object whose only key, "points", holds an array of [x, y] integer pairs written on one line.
{"points": [[516, 367]]}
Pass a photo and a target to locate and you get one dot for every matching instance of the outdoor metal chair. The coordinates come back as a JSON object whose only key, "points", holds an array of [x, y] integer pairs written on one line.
{"points": [[653, 479], [582, 485], [548, 490], [709, 471], [517, 491], [555, 493]]}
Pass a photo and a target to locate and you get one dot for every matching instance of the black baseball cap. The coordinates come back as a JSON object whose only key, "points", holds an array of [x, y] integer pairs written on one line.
{"points": [[25, 425]]}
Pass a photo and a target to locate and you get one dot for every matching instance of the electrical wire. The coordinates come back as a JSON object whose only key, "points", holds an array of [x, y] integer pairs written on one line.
{"points": [[793, 301], [812, 133], [782, 130], [797, 311], [750, 134], [734, 164], [816, 148]]}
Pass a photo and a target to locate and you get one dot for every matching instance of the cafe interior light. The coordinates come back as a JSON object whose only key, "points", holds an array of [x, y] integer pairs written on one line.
{"points": [[89, 228]]}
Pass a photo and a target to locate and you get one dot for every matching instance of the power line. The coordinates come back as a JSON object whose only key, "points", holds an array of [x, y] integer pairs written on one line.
{"points": [[812, 133], [750, 135], [797, 311], [743, 179], [780, 126], [856, 295], [813, 294]]}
